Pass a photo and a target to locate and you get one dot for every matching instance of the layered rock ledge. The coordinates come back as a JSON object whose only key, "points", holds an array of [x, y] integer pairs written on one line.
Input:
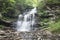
{"points": [[36, 35]]}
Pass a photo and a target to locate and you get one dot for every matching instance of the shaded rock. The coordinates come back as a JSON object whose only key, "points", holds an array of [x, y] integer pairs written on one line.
{"points": [[2, 32], [35, 35]]}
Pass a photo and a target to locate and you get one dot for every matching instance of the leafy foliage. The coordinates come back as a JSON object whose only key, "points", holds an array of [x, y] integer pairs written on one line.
{"points": [[33, 3], [53, 1], [12, 8], [54, 27]]}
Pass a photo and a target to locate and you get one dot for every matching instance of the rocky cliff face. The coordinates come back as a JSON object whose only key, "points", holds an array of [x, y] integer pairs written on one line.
{"points": [[36, 35]]}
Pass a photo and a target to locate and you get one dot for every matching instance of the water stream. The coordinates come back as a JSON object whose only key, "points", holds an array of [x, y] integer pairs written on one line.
{"points": [[25, 24], [26, 21]]}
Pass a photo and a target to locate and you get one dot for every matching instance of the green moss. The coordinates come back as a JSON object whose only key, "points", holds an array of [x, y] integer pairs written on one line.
{"points": [[54, 27], [1, 26], [53, 1], [7, 19]]}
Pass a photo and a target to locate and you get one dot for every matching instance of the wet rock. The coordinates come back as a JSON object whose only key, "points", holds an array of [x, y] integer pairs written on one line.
{"points": [[2, 32], [35, 35]]}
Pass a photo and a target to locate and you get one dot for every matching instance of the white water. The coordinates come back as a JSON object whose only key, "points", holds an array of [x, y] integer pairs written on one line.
{"points": [[25, 22]]}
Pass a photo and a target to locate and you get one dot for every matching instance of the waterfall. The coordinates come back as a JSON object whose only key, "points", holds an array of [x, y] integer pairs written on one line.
{"points": [[26, 20]]}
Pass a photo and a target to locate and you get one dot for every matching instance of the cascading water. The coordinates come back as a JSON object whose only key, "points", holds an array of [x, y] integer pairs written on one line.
{"points": [[26, 21]]}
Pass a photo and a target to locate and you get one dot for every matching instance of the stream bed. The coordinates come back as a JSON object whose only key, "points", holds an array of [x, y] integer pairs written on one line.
{"points": [[35, 35]]}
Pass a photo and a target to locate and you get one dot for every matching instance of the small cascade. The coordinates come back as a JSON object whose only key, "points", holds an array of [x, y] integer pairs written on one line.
{"points": [[26, 21]]}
